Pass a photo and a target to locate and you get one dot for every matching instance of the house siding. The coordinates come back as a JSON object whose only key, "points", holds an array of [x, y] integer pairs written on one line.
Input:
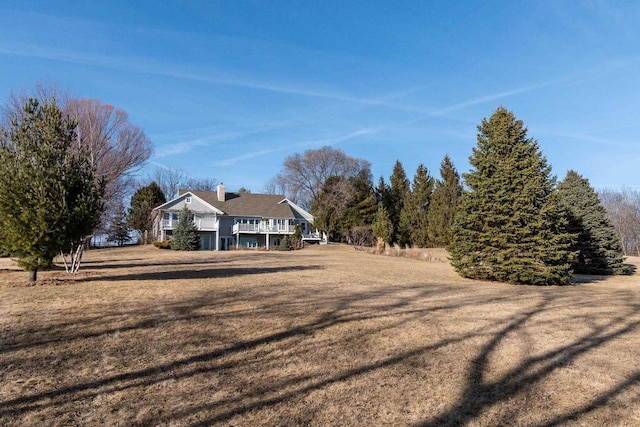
{"points": [[216, 219]]}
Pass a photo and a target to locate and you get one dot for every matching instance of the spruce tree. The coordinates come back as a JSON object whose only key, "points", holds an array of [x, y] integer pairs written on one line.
{"points": [[185, 236], [398, 189], [599, 250], [413, 217], [284, 244], [443, 205], [50, 199], [511, 224]]}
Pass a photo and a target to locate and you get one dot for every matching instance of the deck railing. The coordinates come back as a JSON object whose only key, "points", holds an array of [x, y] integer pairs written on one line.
{"points": [[263, 227], [200, 223]]}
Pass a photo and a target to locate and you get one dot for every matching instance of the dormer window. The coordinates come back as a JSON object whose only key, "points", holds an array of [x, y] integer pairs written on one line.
{"points": [[187, 199]]}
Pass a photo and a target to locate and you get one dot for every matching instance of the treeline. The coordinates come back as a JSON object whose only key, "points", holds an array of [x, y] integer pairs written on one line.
{"points": [[512, 222], [340, 193], [67, 168]]}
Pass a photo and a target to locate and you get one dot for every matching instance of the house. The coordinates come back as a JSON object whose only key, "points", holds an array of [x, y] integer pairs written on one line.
{"points": [[227, 220]]}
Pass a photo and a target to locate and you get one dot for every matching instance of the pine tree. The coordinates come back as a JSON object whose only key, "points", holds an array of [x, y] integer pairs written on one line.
{"points": [[328, 205], [362, 205], [143, 202], [382, 193], [344, 203], [511, 225], [284, 244], [49, 197], [295, 240], [599, 250], [413, 217], [185, 236], [117, 230], [443, 205], [382, 226], [398, 190]]}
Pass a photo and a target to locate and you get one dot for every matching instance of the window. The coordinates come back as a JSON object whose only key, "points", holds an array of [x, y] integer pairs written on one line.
{"points": [[187, 199]]}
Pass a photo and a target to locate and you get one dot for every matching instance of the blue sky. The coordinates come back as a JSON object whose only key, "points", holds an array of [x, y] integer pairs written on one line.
{"points": [[228, 89]]}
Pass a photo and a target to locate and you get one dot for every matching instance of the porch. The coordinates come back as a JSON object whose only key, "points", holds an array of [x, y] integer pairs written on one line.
{"points": [[202, 223], [263, 227]]}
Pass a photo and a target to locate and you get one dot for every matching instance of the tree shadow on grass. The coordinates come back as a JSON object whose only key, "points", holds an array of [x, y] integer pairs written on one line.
{"points": [[214, 361], [104, 265], [201, 273], [579, 279], [480, 393]]}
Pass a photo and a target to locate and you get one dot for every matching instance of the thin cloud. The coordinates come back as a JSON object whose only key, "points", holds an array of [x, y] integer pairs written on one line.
{"points": [[154, 67], [586, 138], [324, 141]]}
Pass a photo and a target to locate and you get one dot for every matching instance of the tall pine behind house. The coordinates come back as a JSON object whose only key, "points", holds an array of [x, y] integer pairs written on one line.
{"points": [[511, 225]]}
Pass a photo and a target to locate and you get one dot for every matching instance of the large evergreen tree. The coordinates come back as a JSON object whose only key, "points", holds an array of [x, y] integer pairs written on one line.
{"points": [[362, 206], [327, 208], [443, 205], [413, 216], [598, 248], [399, 187], [49, 197], [511, 225], [185, 236], [141, 211]]}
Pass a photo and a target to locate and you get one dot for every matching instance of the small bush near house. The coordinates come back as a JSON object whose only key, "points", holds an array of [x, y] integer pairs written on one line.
{"points": [[164, 244], [284, 244]]}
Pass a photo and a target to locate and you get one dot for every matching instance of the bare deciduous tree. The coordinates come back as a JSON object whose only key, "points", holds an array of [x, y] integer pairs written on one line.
{"points": [[303, 175], [171, 181], [623, 208], [201, 184], [272, 186], [116, 147]]}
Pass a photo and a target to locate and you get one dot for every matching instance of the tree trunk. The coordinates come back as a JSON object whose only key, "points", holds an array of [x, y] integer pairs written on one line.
{"points": [[33, 274]]}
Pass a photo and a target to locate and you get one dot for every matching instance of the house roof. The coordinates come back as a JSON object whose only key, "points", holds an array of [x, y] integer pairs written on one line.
{"points": [[247, 204]]}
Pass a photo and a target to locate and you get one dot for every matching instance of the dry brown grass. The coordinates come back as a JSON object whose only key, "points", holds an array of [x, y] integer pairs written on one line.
{"points": [[323, 336]]}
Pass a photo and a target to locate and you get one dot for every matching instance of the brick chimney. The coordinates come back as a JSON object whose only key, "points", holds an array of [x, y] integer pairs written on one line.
{"points": [[221, 192]]}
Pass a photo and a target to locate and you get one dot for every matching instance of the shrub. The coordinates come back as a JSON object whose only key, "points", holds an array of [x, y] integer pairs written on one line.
{"points": [[284, 244], [164, 244]]}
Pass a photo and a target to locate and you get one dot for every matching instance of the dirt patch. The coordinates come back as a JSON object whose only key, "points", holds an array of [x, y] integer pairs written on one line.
{"points": [[322, 336]]}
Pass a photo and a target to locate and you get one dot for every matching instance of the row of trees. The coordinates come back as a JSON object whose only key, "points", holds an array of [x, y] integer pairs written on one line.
{"points": [[418, 213], [512, 222], [339, 191]]}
